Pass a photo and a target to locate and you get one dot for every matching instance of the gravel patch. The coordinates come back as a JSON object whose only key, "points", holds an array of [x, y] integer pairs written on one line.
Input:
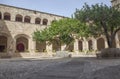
{"points": [[66, 68]]}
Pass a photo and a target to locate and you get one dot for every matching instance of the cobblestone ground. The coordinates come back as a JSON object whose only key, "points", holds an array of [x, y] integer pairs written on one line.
{"points": [[66, 68]]}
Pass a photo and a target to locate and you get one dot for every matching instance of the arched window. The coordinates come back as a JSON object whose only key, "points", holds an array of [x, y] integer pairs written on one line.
{"points": [[7, 16], [27, 19], [37, 21], [0, 15], [18, 18], [45, 21]]}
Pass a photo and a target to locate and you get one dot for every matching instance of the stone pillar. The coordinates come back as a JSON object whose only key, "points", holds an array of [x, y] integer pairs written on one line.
{"points": [[30, 44], [63, 47], [94, 44], [10, 46], [13, 17], [49, 48], [85, 45], [106, 44], [1, 15], [76, 48], [32, 20], [117, 41], [33, 47]]}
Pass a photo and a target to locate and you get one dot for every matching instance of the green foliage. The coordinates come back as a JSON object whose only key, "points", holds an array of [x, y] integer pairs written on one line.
{"points": [[102, 20], [63, 30]]}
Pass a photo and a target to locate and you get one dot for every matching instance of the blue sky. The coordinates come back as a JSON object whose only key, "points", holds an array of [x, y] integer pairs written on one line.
{"points": [[59, 7]]}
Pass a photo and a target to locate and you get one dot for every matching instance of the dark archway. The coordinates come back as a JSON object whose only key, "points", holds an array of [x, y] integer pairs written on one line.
{"points": [[27, 19], [3, 44], [100, 44], [18, 18], [22, 44], [45, 21], [40, 46], [7, 16], [80, 45], [37, 21], [56, 45], [20, 47], [90, 45]]}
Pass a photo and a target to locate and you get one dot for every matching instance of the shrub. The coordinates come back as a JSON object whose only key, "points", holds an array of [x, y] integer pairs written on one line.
{"points": [[109, 53]]}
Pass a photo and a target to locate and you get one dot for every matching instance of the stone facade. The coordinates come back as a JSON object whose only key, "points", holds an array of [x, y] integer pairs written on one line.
{"points": [[18, 24], [115, 2]]}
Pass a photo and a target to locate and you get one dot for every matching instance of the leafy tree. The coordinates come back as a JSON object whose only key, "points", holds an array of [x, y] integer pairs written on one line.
{"points": [[103, 20], [63, 30]]}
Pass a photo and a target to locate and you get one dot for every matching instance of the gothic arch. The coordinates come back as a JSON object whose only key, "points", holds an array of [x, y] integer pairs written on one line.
{"points": [[22, 42]]}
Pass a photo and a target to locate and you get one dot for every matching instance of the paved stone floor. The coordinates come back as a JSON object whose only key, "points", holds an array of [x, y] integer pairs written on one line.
{"points": [[65, 68]]}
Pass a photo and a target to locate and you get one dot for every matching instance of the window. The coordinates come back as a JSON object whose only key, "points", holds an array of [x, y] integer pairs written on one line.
{"points": [[18, 18], [7, 16], [45, 21], [37, 21], [27, 19]]}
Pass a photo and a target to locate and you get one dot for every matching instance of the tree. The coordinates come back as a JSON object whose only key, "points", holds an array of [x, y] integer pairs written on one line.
{"points": [[63, 30], [103, 20]]}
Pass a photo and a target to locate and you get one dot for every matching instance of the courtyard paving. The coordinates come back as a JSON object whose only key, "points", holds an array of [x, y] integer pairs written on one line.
{"points": [[63, 68]]}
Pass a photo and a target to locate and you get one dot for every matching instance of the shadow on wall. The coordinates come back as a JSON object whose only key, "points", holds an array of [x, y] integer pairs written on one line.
{"points": [[7, 42]]}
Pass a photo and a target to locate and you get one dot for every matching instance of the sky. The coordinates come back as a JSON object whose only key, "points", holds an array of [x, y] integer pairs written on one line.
{"points": [[59, 7]]}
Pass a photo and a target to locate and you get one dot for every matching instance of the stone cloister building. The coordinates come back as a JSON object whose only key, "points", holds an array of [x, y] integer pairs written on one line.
{"points": [[17, 26]]}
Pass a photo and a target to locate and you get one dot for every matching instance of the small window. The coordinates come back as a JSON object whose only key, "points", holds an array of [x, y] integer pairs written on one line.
{"points": [[45, 21], [18, 18], [7, 16], [27, 19], [37, 21]]}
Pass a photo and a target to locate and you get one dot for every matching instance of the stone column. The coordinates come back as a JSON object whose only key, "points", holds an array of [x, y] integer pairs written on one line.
{"points": [[33, 47], [85, 45], [117, 41], [76, 48], [30, 44], [49, 48], [94, 44], [2, 15], [63, 47], [13, 17], [106, 44], [32, 19]]}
